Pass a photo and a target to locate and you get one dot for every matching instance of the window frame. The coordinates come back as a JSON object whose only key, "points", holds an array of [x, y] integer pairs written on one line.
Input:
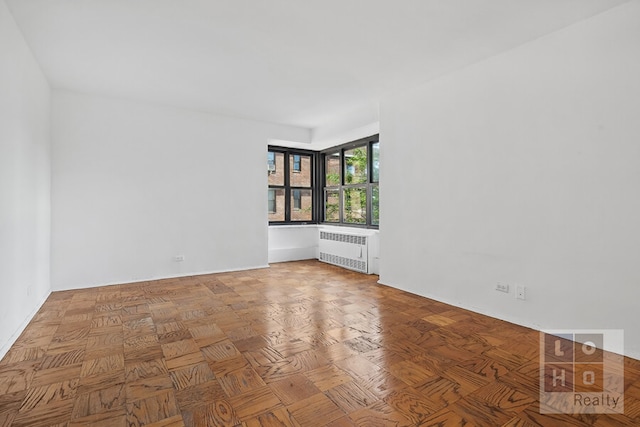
{"points": [[318, 186], [368, 142], [288, 188]]}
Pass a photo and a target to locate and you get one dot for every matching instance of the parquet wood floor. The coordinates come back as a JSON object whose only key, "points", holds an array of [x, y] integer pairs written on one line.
{"points": [[298, 344]]}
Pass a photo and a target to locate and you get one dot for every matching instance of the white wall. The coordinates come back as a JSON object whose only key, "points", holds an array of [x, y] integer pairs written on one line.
{"points": [[525, 169], [136, 184], [293, 242], [24, 183]]}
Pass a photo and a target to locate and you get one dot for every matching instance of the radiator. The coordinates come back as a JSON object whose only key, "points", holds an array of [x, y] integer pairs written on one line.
{"points": [[345, 250]]}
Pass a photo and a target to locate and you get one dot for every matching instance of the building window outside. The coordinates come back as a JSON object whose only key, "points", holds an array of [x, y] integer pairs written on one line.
{"points": [[271, 162], [297, 163], [297, 199]]}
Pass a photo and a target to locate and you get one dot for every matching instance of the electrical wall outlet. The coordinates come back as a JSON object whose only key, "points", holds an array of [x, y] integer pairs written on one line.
{"points": [[521, 292], [502, 287], [178, 258]]}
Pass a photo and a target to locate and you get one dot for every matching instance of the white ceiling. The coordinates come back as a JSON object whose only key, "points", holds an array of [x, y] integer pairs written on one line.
{"points": [[297, 62]]}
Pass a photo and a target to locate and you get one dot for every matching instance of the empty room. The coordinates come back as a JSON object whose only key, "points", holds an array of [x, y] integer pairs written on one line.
{"points": [[303, 213]]}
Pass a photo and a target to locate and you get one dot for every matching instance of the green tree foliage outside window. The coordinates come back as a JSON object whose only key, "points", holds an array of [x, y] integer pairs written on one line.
{"points": [[355, 205], [375, 205], [332, 206], [355, 166]]}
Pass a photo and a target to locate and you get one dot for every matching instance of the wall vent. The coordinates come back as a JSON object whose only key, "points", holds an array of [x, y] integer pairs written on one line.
{"points": [[345, 250]]}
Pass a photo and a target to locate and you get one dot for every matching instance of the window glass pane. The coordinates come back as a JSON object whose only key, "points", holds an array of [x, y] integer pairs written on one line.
{"points": [[275, 168], [302, 176], [301, 205], [354, 205], [276, 204], [375, 205], [272, 201], [332, 169], [332, 205], [355, 165], [375, 161]]}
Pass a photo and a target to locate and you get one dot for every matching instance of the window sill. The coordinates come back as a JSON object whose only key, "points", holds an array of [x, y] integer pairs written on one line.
{"points": [[301, 225]]}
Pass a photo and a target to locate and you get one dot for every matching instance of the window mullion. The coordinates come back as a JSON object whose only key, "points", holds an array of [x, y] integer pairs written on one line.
{"points": [[287, 189]]}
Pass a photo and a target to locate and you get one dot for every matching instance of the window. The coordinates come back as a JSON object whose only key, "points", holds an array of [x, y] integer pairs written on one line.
{"points": [[337, 186], [351, 176], [291, 181], [297, 199]]}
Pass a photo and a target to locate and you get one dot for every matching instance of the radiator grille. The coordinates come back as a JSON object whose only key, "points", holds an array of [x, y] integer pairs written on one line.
{"points": [[352, 264], [345, 238]]}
